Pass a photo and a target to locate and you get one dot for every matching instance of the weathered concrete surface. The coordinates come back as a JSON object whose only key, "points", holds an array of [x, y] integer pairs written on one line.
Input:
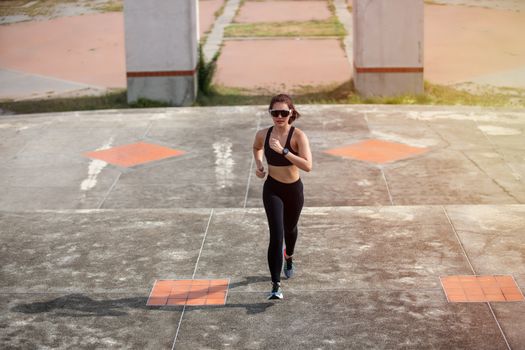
{"points": [[65, 288], [83, 241], [85, 321], [475, 156]]}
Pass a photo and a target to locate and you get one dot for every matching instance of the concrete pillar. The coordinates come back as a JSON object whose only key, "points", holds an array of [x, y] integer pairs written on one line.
{"points": [[162, 50], [388, 47]]}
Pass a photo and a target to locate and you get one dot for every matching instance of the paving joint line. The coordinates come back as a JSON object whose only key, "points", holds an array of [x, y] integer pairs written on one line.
{"points": [[499, 326], [387, 186], [458, 239], [147, 130], [192, 277], [109, 191], [379, 166], [475, 274]]}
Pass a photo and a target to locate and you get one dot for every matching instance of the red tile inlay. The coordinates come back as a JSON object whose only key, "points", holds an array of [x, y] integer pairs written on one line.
{"points": [[189, 292], [377, 151], [134, 154], [481, 288]]}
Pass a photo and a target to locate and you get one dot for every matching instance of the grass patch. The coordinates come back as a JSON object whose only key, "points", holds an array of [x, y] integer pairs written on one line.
{"points": [[39, 8], [432, 2], [330, 28], [112, 100], [220, 11], [222, 96], [111, 6], [345, 94]]}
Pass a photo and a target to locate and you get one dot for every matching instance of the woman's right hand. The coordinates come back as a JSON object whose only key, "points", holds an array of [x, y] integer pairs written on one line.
{"points": [[259, 171]]}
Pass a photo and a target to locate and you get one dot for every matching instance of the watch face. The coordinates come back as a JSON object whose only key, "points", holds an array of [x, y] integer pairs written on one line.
{"points": [[285, 151]]}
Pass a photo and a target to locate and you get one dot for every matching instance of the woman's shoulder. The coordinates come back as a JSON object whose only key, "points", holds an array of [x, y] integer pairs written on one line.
{"points": [[262, 132], [298, 132]]}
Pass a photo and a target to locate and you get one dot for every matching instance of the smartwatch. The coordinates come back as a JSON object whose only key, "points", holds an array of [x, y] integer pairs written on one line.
{"points": [[285, 151]]}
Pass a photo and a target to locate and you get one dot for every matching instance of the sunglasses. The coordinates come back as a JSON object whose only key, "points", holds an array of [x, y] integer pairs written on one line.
{"points": [[280, 112]]}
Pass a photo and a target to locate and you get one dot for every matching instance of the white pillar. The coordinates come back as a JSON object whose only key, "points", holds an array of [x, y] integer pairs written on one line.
{"points": [[162, 50], [388, 47]]}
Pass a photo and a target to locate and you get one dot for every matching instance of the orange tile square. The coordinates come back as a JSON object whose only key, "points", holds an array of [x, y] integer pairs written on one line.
{"points": [[467, 279], [188, 292], [514, 297], [134, 154], [217, 295], [175, 294], [219, 283], [510, 290], [477, 298], [491, 290], [214, 289], [506, 281], [201, 283], [197, 295], [194, 302], [154, 301], [474, 292], [471, 286], [181, 289], [457, 298], [481, 288], [176, 302], [159, 294], [495, 297], [487, 279], [162, 284], [377, 151], [201, 288], [455, 291], [182, 284], [451, 284]]}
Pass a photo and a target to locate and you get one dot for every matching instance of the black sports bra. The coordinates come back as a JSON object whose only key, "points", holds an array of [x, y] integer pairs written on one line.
{"points": [[274, 158]]}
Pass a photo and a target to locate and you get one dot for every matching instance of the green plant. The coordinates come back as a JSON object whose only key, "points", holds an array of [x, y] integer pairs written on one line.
{"points": [[147, 103], [206, 70]]}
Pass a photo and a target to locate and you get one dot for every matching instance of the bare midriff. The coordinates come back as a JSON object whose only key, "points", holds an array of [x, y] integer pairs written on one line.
{"points": [[285, 174]]}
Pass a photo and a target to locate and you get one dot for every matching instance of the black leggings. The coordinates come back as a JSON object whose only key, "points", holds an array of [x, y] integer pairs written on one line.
{"points": [[283, 203]]}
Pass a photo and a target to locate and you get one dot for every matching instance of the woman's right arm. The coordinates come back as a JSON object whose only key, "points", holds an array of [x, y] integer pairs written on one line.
{"points": [[258, 152]]}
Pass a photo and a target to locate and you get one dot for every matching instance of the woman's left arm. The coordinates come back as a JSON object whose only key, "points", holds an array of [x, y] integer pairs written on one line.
{"points": [[304, 160]]}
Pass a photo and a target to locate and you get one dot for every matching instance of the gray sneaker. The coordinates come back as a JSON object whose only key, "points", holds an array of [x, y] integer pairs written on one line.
{"points": [[288, 272], [276, 292]]}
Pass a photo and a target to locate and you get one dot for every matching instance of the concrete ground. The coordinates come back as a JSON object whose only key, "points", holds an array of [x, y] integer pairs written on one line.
{"points": [[83, 241]]}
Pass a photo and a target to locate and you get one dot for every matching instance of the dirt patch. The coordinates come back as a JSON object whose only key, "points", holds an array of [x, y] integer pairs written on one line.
{"points": [[285, 64], [13, 11], [473, 43]]}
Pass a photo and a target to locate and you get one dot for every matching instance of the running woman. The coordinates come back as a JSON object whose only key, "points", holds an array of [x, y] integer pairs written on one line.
{"points": [[287, 150]]}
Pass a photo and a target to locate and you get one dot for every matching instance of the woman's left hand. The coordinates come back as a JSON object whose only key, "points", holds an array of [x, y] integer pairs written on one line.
{"points": [[276, 145]]}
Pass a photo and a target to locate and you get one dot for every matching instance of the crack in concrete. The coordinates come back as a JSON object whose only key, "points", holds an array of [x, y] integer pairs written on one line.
{"points": [[490, 177]]}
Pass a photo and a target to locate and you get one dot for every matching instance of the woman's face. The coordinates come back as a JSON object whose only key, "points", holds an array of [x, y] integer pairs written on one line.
{"points": [[279, 120]]}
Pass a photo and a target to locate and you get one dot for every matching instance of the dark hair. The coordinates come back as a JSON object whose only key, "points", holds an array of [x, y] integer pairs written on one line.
{"points": [[288, 100]]}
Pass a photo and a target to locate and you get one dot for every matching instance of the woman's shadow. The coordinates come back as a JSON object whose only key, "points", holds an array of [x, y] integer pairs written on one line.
{"points": [[80, 305]]}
